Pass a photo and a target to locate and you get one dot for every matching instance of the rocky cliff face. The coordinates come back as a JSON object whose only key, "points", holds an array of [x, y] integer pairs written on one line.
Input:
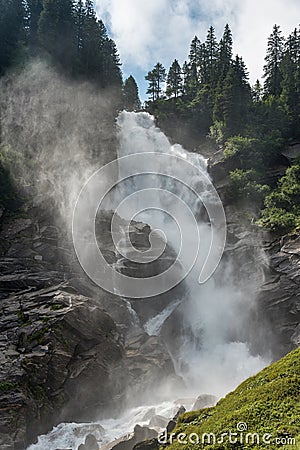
{"points": [[279, 296], [69, 351]]}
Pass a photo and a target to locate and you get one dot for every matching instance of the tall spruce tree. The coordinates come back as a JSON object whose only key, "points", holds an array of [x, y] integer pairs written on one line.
{"points": [[156, 78], [12, 13], [225, 53], [192, 68], [211, 53], [290, 81], [91, 37], [111, 65], [174, 80], [272, 72], [233, 102], [79, 24], [35, 8], [131, 95], [57, 31]]}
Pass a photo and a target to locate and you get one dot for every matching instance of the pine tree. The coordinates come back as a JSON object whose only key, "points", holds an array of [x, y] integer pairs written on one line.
{"points": [[211, 54], [185, 75], [91, 43], [204, 66], [192, 68], [232, 104], [131, 95], [79, 21], [111, 71], [257, 91], [156, 77], [290, 84], [225, 53], [56, 31], [11, 30], [35, 8], [152, 90], [272, 72], [174, 80]]}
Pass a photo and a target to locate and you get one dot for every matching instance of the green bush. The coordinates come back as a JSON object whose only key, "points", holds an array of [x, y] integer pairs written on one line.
{"points": [[243, 186], [254, 153], [278, 219], [282, 206]]}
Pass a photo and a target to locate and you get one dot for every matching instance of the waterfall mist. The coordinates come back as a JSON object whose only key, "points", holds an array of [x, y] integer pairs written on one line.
{"points": [[54, 133]]}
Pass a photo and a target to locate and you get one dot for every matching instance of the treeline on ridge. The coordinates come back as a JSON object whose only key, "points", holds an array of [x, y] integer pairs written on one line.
{"points": [[249, 125]]}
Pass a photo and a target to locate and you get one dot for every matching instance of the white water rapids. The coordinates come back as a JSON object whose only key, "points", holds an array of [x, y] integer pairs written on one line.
{"points": [[212, 314]]}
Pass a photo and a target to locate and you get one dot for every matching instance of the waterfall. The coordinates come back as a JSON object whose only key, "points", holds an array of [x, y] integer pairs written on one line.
{"points": [[214, 356]]}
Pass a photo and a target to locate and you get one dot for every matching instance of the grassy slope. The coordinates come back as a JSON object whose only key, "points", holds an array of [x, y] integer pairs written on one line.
{"points": [[268, 402]]}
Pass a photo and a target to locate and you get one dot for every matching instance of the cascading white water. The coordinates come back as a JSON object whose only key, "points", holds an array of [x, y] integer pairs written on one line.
{"points": [[211, 312], [153, 325], [213, 358]]}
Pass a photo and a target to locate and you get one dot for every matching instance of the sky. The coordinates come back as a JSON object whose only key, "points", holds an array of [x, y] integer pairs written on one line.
{"points": [[148, 31]]}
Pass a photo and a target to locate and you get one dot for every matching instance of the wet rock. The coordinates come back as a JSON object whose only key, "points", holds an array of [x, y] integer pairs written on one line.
{"points": [[65, 365], [151, 444], [171, 425], [139, 434], [180, 411], [158, 421], [148, 362], [63, 358], [83, 430], [205, 401], [90, 443]]}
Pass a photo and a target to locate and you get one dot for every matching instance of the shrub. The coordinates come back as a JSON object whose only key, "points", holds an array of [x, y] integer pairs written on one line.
{"points": [[282, 206], [254, 153], [278, 219], [243, 186]]}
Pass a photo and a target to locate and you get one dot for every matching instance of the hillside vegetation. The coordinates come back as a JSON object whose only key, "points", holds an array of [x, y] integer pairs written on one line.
{"points": [[267, 406]]}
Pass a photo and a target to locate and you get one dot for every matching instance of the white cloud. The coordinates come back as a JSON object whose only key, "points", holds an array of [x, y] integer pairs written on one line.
{"points": [[254, 25], [161, 30]]}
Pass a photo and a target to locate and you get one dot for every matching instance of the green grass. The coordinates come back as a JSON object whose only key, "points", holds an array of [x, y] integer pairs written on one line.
{"points": [[269, 403]]}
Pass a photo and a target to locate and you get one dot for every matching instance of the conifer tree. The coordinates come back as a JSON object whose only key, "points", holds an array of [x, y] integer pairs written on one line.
{"points": [[35, 8], [156, 78], [290, 81], [211, 53], [174, 80], [272, 72], [79, 23], [232, 103], [131, 95], [56, 30], [192, 68], [11, 30], [257, 91], [225, 53]]}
